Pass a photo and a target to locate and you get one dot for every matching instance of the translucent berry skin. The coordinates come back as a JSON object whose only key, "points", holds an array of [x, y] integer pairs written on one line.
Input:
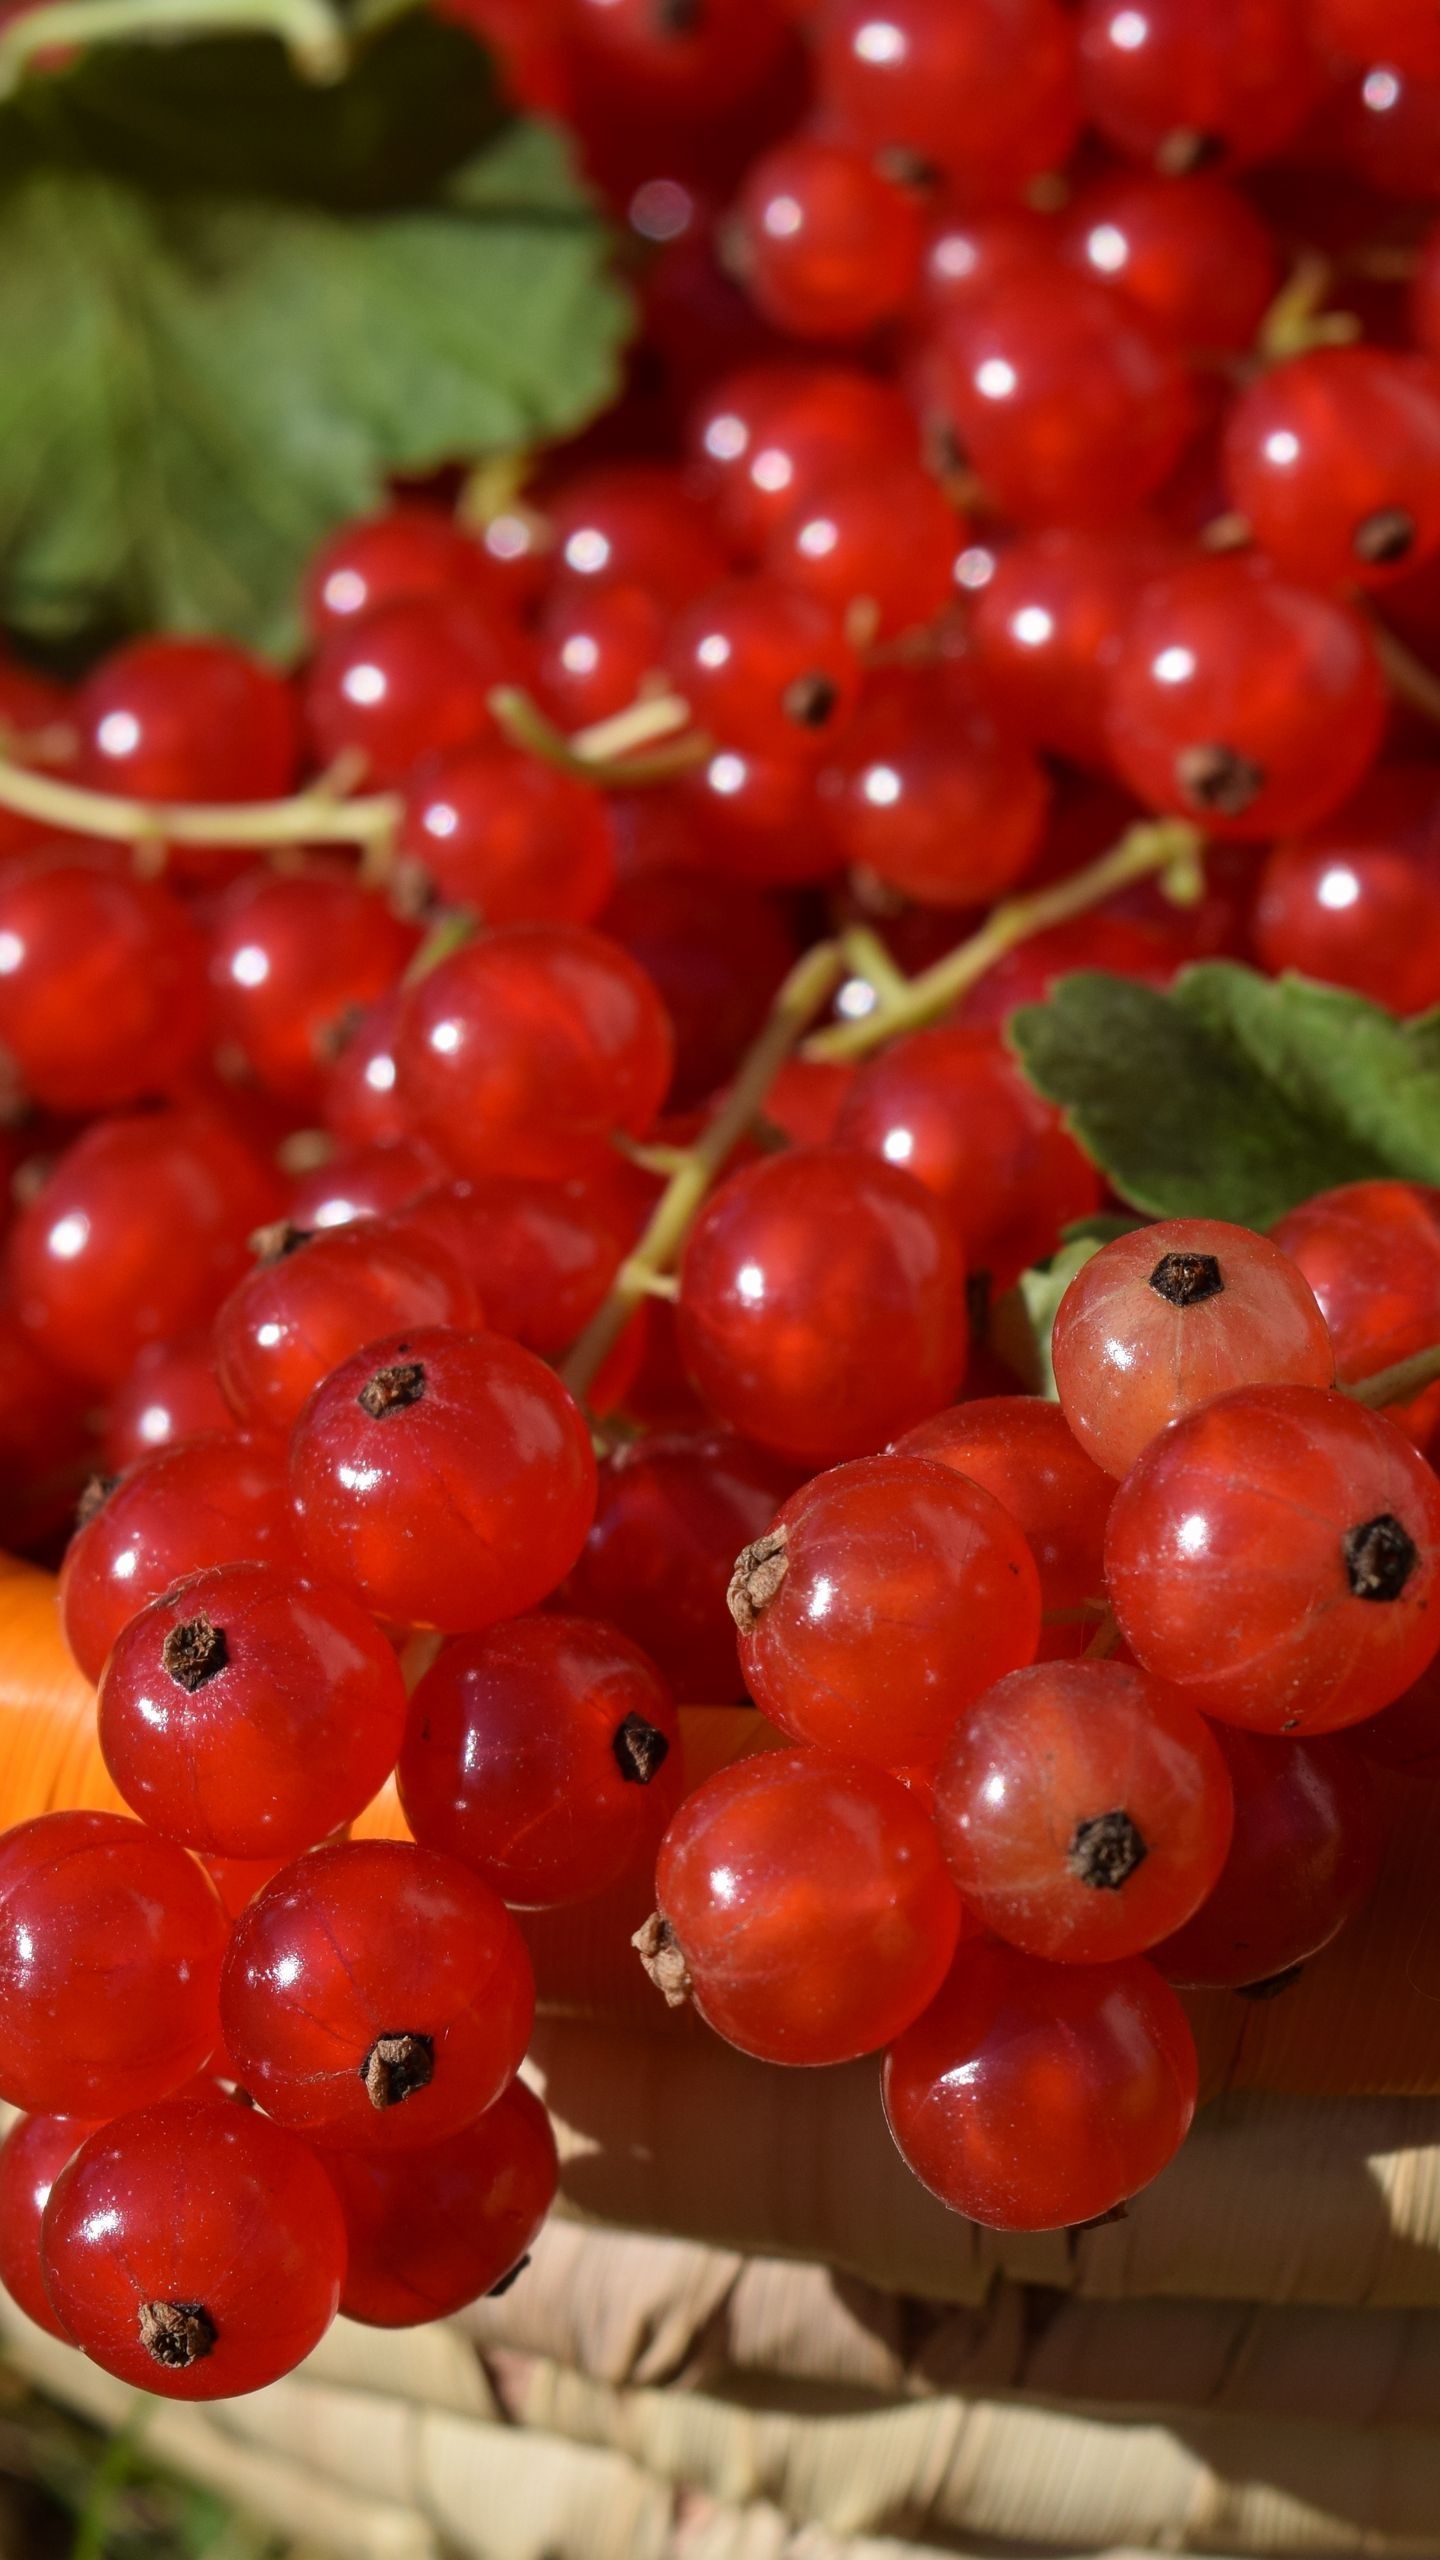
{"points": [[430, 2231], [110, 1948], [1071, 407], [367, 1940], [809, 1900], [1191, 253], [1160, 1322], [765, 437], [544, 1252], [310, 1306], [1226, 84], [526, 1051], [358, 1102], [716, 950], [273, 1716], [403, 551], [764, 667], [363, 1182], [1304, 1856], [886, 539], [1048, 626], [1084, 1810], [466, 1497], [951, 1107], [406, 680], [1033, 2097], [597, 649], [1227, 1566], [984, 90], [135, 1235], [292, 958], [545, 1754], [1371, 1253], [1402, 32], [1368, 918], [196, 2202], [34, 2152], [906, 1592], [758, 818], [101, 982], [634, 523], [1243, 703], [179, 719], [216, 1499], [170, 1394], [514, 839], [1022, 1450], [926, 791], [822, 1303], [673, 1511], [828, 246], [1334, 459]]}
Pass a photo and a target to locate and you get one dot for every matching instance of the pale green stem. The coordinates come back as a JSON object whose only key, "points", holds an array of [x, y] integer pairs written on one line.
{"points": [[1397, 1384], [310, 817]]}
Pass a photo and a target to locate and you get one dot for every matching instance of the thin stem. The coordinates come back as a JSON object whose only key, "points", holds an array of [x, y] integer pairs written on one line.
{"points": [[868, 957], [310, 817], [810, 983], [1397, 1384], [607, 752], [309, 30], [1105, 1639], [1295, 321], [1407, 676], [1153, 845]]}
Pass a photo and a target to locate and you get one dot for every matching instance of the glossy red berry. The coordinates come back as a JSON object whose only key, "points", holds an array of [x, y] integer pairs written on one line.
{"points": [[1402, 32], [1371, 1253], [1192, 253], [34, 2152], [514, 840], [687, 61], [887, 1595], [1032, 2097], [217, 1499], [1245, 704], [716, 951], [194, 2250], [247, 1715], [363, 1182], [134, 1236], [110, 1948], [406, 680], [175, 719], [1277, 1555], [546, 1253], [1186, 88], [804, 1905], [1047, 628], [545, 1754], [880, 542], [428, 2232], [1334, 461], [376, 1996], [764, 667], [1084, 1809], [102, 982], [445, 1478], [1303, 1857], [764, 438], [171, 1393], [927, 792], [822, 1303], [401, 553], [1161, 1321], [983, 91], [828, 245], [1365, 916], [598, 649], [759, 818], [635, 524], [526, 1051], [1022, 1450], [294, 956], [313, 1300]]}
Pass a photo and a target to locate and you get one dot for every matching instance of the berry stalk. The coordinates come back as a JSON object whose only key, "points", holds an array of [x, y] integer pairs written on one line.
{"points": [[1398, 1384]]}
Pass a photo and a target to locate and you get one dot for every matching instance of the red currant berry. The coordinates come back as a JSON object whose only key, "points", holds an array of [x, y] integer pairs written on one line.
{"points": [[545, 1754], [1276, 1553], [246, 1715], [806, 1900], [764, 666], [1084, 1810], [446, 1478], [403, 553], [547, 1254], [32, 2156], [358, 1103], [1022, 1450], [1192, 253], [1304, 1857], [765, 437], [513, 839], [1402, 32], [526, 1051], [599, 648], [758, 819], [881, 541], [1032, 2097], [634, 524], [102, 979], [983, 91], [1160, 1322], [363, 1182], [213, 1500], [294, 957], [316, 1299], [430, 2231], [1187, 88], [171, 1393], [110, 1948], [926, 792], [1365, 916], [1388, 132], [1048, 625], [716, 951], [1028, 974], [822, 1303], [1243, 703], [828, 246], [1371, 1253], [171, 719], [404, 681], [887, 1596], [1334, 460], [682, 60], [194, 2250], [376, 1996]]}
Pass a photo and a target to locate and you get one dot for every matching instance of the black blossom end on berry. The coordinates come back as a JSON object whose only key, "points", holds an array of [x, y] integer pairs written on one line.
{"points": [[906, 168], [1187, 1279], [1384, 539], [1380, 1556], [1272, 1985], [503, 2283], [276, 1243], [759, 1571], [1185, 151], [177, 2334], [94, 1498], [810, 700], [395, 2067], [1106, 1851], [658, 1949], [1217, 780], [392, 1390], [640, 1751], [194, 1650]]}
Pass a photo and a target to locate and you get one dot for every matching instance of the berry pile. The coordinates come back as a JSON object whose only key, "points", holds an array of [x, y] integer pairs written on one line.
{"points": [[519, 1114]]}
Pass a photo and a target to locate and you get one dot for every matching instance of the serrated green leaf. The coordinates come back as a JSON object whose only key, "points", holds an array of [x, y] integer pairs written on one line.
{"points": [[1235, 1096], [198, 380]]}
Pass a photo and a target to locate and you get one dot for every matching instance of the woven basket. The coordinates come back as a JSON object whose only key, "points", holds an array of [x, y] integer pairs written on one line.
{"points": [[749, 2335]]}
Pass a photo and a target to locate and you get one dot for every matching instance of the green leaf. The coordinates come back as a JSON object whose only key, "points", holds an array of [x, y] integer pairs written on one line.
{"points": [[231, 307], [1235, 1096], [1023, 1320]]}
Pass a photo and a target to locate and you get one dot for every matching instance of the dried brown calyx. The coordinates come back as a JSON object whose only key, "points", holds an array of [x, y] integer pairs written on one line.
{"points": [[194, 1650], [396, 2066], [759, 1571], [1217, 780], [1186, 1279], [640, 1750], [1380, 1556], [658, 1949], [177, 2334], [392, 1390], [1106, 1851]]}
